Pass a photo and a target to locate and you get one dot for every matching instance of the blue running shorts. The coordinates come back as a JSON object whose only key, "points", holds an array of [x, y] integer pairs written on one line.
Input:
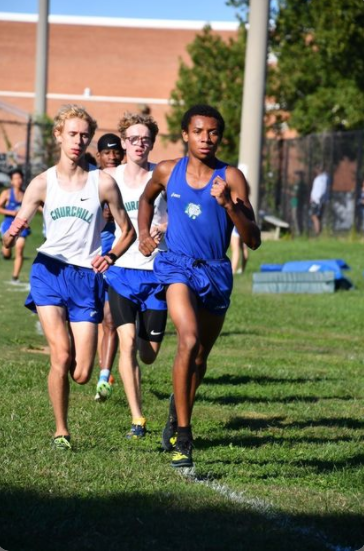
{"points": [[139, 286], [79, 290], [107, 240], [210, 280], [107, 237]]}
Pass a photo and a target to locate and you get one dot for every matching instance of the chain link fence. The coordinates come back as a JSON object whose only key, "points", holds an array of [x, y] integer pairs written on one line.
{"points": [[288, 170]]}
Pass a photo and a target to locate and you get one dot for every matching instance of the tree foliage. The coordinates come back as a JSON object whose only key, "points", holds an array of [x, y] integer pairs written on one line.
{"points": [[317, 82], [214, 76], [319, 77], [46, 148]]}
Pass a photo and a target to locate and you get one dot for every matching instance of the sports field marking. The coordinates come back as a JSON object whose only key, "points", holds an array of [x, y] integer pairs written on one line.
{"points": [[38, 328], [263, 507], [17, 287]]}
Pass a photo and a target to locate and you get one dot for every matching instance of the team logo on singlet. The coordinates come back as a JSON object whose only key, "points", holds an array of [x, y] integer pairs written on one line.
{"points": [[131, 205], [73, 212], [193, 211]]}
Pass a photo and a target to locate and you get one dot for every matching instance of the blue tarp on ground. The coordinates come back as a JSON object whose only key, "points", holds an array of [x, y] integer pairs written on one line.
{"points": [[271, 267], [327, 265]]}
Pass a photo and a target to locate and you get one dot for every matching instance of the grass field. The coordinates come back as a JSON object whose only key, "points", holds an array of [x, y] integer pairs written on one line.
{"points": [[278, 425]]}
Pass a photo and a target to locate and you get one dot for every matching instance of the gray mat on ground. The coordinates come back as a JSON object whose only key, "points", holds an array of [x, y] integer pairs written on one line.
{"points": [[294, 282]]}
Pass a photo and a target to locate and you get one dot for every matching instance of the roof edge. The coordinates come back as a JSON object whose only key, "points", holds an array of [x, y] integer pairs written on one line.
{"points": [[121, 22]]}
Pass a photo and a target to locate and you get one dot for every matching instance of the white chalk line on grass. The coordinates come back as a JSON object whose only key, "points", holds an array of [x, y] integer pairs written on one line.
{"points": [[38, 328], [263, 507], [17, 287]]}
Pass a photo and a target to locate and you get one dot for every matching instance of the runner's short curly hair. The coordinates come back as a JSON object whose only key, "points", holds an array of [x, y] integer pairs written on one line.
{"points": [[73, 111], [129, 119]]}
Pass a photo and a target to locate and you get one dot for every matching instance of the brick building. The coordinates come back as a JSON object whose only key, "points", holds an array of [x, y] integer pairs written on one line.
{"points": [[109, 65]]}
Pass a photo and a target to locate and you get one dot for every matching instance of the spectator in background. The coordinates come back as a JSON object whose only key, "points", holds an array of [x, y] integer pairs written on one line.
{"points": [[297, 197], [318, 199], [237, 245], [10, 202], [361, 208]]}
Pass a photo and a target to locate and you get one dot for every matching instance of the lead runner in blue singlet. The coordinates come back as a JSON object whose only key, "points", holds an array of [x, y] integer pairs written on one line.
{"points": [[206, 198]]}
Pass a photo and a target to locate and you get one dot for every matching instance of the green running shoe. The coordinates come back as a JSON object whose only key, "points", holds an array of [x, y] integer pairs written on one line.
{"points": [[103, 391], [182, 455], [62, 443], [169, 434]]}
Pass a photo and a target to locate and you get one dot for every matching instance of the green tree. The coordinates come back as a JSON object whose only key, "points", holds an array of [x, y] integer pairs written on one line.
{"points": [[317, 82], [214, 76], [319, 76], [45, 148]]}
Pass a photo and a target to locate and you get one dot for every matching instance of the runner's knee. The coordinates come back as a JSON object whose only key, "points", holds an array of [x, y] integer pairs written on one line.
{"points": [[81, 376], [188, 343], [148, 356]]}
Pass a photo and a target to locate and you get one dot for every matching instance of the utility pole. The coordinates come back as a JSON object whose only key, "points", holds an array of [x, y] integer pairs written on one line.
{"points": [[41, 68], [251, 129], [41, 75]]}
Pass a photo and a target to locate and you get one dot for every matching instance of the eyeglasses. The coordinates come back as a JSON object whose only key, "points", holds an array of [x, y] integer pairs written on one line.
{"points": [[134, 140]]}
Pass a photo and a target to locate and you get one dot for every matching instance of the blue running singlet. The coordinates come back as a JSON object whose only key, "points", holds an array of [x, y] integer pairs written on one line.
{"points": [[197, 225]]}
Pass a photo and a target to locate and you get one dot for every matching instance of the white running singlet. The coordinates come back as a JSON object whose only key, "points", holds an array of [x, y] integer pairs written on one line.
{"points": [[133, 258], [73, 221]]}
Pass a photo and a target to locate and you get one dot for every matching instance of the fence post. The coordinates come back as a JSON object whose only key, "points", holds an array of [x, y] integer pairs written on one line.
{"points": [[28, 171]]}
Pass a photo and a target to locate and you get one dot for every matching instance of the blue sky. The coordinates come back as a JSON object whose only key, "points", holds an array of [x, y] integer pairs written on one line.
{"points": [[200, 10]]}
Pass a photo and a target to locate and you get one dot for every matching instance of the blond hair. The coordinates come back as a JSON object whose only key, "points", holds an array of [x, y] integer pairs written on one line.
{"points": [[73, 111], [129, 119]]}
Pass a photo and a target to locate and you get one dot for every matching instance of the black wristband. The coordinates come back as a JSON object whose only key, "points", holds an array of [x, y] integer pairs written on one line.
{"points": [[112, 257]]}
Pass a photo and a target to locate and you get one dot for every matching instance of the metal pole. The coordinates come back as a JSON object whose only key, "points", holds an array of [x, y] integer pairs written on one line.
{"points": [[41, 69], [253, 97], [28, 171]]}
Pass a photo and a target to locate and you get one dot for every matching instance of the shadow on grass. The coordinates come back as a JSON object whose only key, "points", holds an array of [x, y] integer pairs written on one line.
{"points": [[288, 434], [261, 379], [325, 465], [250, 332], [280, 421], [249, 441], [317, 465], [231, 399], [164, 521]]}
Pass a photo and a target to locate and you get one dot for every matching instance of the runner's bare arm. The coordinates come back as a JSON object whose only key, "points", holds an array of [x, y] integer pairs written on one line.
{"points": [[233, 195], [154, 187], [106, 210], [110, 193]]}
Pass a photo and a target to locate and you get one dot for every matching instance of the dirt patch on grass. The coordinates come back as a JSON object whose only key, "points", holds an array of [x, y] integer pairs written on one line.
{"points": [[38, 350]]}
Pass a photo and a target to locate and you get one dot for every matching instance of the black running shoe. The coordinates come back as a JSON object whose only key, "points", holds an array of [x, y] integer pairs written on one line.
{"points": [[136, 432], [182, 454], [169, 434]]}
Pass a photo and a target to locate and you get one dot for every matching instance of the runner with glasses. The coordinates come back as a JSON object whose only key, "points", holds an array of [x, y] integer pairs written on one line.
{"points": [[137, 300], [136, 140]]}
